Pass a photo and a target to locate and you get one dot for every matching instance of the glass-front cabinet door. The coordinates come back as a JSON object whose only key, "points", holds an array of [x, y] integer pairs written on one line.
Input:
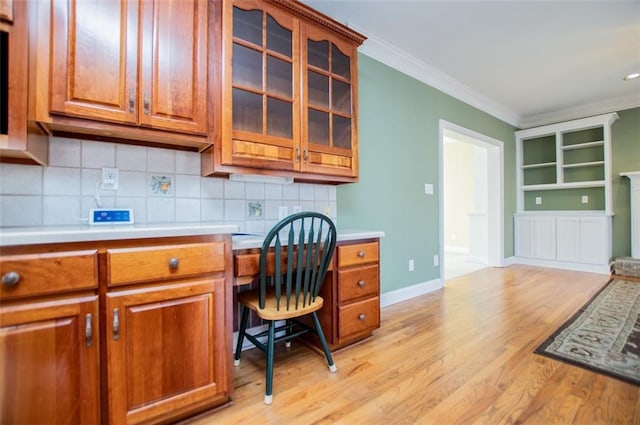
{"points": [[329, 74], [263, 126]]}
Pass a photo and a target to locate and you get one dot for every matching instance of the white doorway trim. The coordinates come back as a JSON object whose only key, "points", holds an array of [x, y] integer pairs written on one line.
{"points": [[495, 189]]}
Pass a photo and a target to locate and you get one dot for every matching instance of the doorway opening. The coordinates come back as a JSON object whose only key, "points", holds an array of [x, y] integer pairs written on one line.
{"points": [[472, 204]]}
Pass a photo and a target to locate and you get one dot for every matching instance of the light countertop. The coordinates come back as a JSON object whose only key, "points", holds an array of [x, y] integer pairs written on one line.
{"points": [[249, 241], [59, 234]]}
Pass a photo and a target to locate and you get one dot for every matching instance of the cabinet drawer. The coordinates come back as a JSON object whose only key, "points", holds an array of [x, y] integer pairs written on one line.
{"points": [[349, 255], [39, 274], [358, 283], [358, 317], [130, 265]]}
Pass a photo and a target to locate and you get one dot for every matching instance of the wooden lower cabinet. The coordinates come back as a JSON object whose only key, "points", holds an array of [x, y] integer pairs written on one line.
{"points": [[115, 332], [49, 361], [163, 350], [351, 290]]}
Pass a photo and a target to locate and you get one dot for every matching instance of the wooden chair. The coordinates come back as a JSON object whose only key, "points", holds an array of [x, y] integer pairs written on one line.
{"points": [[289, 283]]}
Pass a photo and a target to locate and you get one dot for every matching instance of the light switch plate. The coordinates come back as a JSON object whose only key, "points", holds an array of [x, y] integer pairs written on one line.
{"points": [[538, 200], [102, 216], [585, 199]]}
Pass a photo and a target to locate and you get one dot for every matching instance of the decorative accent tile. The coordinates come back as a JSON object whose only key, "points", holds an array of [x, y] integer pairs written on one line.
{"points": [[161, 185], [254, 210]]}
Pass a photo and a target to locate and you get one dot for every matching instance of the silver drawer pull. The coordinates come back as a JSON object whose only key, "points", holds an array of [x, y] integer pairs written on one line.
{"points": [[174, 263], [88, 330], [362, 316], [361, 283], [361, 254], [11, 278], [116, 324]]}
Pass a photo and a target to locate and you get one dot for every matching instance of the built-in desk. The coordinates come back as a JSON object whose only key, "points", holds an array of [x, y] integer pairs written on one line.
{"points": [[351, 291]]}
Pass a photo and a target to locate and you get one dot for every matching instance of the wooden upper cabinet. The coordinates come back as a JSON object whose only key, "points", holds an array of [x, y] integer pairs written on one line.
{"points": [[173, 76], [262, 87], [129, 62], [329, 120], [287, 100], [94, 59]]}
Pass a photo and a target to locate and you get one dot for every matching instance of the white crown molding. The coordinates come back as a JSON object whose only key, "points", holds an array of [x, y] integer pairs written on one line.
{"points": [[392, 56], [632, 100], [396, 58]]}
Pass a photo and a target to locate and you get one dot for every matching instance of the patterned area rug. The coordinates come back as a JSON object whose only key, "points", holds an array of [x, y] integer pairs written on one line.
{"points": [[604, 335]]}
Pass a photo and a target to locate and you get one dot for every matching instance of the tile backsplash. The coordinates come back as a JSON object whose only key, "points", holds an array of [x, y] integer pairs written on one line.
{"points": [[161, 185]]}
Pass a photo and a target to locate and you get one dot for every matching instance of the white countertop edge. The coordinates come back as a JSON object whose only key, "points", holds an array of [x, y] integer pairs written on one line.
{"points": [[255, 241], [60, 234], [584, 213]]}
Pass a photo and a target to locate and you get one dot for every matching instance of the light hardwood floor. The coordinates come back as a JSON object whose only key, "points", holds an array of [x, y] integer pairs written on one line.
{"points": [[461, 355]]}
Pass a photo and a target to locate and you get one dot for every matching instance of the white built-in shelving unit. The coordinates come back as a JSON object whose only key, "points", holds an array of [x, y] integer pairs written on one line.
{"points": [[563, 157]]}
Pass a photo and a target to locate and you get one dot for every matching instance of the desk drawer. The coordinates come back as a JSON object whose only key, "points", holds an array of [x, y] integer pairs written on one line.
{"points": [[39, 274], [358, 283], [358, 317], [130, 265], [362, 253]]}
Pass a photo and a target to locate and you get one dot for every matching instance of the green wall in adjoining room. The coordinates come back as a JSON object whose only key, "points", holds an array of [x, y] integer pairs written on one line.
{"points": [[398, 134], [625, 147]]}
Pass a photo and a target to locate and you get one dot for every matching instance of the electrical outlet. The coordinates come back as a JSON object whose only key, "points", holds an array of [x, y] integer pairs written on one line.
{"points": [[436, 260], [110, 178], [585, 199], [428, 189], [411, 265], [538, 200]]}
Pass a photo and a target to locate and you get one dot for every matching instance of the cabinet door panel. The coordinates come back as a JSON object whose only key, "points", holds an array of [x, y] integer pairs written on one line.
{"points": [[94, 59], [595, 240], [174, 59], [568, 239], [164, 361], [45, 359], [329, 104]]}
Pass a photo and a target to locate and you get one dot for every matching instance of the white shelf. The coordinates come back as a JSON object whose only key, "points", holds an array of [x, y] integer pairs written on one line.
{"points": [[583, 145], [583, 164], [540, 165], [554, 186]]}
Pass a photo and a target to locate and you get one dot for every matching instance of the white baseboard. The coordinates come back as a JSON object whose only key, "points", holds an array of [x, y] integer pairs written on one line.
{"points": [[403, 294], [506, 262], [591, 268]]}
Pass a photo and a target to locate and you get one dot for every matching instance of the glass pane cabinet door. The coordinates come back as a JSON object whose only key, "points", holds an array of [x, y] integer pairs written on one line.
{"points": [[263, 74], [329, 95]]}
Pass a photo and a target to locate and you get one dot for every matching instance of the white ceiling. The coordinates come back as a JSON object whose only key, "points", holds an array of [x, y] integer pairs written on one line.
{"points": [[525, 62]]}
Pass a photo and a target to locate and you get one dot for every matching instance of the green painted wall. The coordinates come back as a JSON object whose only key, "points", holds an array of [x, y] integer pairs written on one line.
{"points": [[398, 133], [625, 147]]}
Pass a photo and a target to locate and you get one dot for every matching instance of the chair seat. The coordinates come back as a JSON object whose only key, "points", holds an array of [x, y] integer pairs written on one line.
{"points": [[270, 312]]}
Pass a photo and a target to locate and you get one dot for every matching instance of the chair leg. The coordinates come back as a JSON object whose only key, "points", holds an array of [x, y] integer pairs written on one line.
{"points": [[243, 327], [287, 343], [332, 367], [268, 394]]}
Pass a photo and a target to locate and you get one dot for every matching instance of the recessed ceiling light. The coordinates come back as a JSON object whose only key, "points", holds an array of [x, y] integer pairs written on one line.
{"points": [[632, 76]]}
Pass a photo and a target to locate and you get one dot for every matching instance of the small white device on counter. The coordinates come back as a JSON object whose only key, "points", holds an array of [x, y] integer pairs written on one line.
{"points": [[98, 216]]}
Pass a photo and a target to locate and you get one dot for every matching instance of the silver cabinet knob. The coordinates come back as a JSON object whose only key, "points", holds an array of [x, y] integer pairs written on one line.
{"points": [[361, 283], [361, 254], [10, 278], [174, 263], [362, 316]]}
